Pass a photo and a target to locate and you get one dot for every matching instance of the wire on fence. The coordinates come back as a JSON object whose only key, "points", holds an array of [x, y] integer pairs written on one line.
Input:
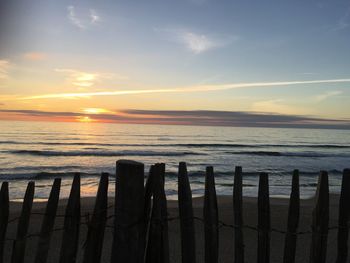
{"points": [[153, 221]]}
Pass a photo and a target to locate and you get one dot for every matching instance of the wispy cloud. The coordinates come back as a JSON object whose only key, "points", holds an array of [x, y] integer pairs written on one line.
{"points": [[328, 94], [344, 21], [196, 42], [35, 56], [82, 21], [86, 79], [208, 118], [197, 88], [4, 66], [94, 17]]}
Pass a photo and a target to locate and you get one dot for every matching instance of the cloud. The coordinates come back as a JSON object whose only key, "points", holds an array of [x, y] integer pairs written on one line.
{"points": [[84, 20], [86, 79], [326, 95], [204, 118], [94, 17], [195, 42], [35, 56], [73, 17], [4, 66], [344, 21], [275, 105], [196, 88]]}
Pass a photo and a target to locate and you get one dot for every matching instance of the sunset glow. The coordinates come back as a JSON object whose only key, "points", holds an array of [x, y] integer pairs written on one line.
{"points": [[231, 63]]}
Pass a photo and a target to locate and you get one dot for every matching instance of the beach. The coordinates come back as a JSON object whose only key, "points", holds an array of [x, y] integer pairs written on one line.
{"points": [[279, 209]]}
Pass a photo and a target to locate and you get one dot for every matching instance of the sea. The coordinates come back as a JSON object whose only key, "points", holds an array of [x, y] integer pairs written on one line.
{"points": [[42, 151]]}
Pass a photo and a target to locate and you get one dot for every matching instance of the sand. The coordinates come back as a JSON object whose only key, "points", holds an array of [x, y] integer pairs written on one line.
{"points": [[279, 208]]}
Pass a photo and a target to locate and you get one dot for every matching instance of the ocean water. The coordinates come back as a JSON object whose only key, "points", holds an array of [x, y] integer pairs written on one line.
{"points": [[41, 151]]}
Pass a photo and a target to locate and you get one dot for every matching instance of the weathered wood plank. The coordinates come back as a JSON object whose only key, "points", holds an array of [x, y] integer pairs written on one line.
{"points": [[23, 224], [4, 216], [320, 219], [148, 203], [48, 223], [164, 216], [128, 242], [344, 212], [238, 216], [70, 237], [158, 243], [293, 221], [263, 220], [96, 230], [211, 218], [188, 244]]}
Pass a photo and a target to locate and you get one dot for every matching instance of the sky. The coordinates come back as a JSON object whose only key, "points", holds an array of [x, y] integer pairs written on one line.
{"points": [[204, 62]]}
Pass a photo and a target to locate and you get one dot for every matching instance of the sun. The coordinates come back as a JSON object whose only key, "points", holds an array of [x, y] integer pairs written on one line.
{"points": [[95, 110], [84, 119]]}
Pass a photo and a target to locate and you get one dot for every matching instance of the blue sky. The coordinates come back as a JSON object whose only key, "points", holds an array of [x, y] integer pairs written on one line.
{"points": [[51, 49]]}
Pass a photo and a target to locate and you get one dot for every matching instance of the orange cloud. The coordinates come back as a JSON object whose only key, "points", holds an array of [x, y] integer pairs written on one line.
{"points": [[35, 56]]}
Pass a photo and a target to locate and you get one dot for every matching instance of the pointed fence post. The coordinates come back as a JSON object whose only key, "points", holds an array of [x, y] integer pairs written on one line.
{"points": [[263, 220], [293, 221], [4, 216], [188, 247], [128, 242], [238, 216], [211, 218], [23, 224], [320, 219], [70, 237], [158, 242], [48, 223], [344, 212], [96, 230]]}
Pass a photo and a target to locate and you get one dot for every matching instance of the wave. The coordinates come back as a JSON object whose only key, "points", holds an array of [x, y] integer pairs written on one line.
{"points": [[68, 171], [288, 154], [100, 153], [190, 145]]}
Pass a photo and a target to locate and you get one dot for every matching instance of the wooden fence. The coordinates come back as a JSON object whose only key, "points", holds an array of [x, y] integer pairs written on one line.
{"points": [[141, 219]]}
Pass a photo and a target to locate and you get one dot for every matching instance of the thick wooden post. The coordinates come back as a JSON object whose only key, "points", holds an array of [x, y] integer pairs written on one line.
{"points": [[19, 245], [293, 221], [211, 218], [344, 212], [48, 223], [158, 242], [128, 243], [4, 216], [70, 237], [94, 242], [188, 246], [149, 188], [320, 220], [238, 215], [263, 220]]}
